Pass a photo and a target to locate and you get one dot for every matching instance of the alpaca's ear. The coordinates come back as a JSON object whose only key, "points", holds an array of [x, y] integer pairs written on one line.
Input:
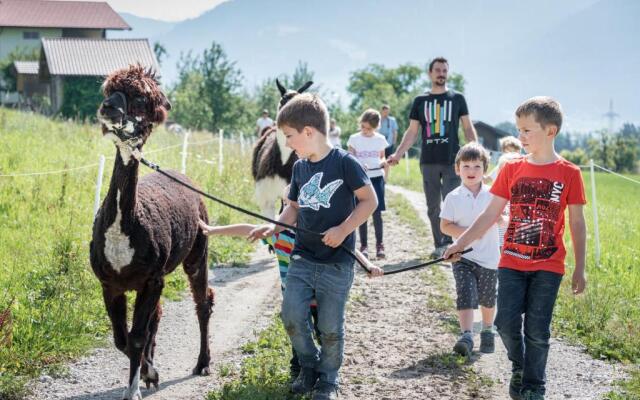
{"points": [[305, 86], [167, 103], [280, 87]]}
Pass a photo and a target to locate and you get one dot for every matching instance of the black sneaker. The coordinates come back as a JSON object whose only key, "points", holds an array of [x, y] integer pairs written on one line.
{"points": [[487, 341], [325, 391], [380, 254], [464, 345], [305, 381], [531, 395], [515, 385]]}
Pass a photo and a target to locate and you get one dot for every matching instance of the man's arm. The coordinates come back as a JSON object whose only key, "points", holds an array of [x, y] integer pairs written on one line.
{"points": [[578, 229], [484, 221], [367, 203], [394, 135], [469, 130], [409, 138]]}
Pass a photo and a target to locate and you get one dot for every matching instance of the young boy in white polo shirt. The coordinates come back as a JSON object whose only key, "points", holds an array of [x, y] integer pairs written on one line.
{"points": [[476, 273]]}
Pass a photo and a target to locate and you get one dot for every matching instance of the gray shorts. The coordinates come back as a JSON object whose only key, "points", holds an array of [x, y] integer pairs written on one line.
{"points": [[474, 285]]}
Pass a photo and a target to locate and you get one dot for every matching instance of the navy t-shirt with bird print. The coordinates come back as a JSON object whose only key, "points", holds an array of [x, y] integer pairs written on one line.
{"points": [[324, 191]]}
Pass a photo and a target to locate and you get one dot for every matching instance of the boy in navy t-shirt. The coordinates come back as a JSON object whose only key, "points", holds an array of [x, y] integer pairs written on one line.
{"points": [[324, 187]]}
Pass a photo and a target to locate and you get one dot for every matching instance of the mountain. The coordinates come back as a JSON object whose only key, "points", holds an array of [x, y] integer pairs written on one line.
{"points": [[582, 52], [141, 27]]}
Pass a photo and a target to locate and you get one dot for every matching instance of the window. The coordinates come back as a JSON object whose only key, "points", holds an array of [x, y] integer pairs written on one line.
{"points": [[31, 35]]}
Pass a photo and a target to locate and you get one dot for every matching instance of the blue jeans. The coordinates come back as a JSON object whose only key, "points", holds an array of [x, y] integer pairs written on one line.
{"points": [[534, 295], [330, 285]]}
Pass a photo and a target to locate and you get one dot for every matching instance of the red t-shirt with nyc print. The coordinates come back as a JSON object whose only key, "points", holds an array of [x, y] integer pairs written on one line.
{"points": [[539, 195]]}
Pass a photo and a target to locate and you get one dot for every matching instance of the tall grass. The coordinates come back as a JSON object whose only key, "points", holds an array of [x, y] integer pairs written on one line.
{"points": [[606, 318], [56, 307]]}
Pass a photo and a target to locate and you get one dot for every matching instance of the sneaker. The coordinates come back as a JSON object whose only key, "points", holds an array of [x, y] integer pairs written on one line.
{"points": [[531, 395], [380, 251], [305, 381], [364, 251], [464, 345], [487, 341], [515, 385], [325, 391]]}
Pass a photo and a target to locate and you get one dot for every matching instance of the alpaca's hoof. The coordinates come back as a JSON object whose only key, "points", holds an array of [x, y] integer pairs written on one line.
{"points": [[202, 371], [151, 377]]}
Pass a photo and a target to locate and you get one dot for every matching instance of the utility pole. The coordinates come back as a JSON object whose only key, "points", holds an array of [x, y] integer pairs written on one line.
{"points": [[611, 115]]}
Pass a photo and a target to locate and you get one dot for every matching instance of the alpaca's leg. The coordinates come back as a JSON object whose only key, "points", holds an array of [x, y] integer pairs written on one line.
{"points": [[195, 265], [146, 302], [149, 373], [116, 305]]}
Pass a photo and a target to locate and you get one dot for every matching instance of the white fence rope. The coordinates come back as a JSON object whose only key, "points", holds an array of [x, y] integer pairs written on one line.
{"points": [[58, 171], [616, 174]]}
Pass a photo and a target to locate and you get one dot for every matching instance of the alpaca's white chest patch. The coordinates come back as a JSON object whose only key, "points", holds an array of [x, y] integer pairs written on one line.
{"points": [[117, 246]]}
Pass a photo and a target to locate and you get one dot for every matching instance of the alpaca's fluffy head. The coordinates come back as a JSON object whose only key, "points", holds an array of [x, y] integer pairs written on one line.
{"points": [[133, 103]]}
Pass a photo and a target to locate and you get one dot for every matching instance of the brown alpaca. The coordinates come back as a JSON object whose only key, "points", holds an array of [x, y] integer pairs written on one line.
{"points": [[272, 161], [144, 229]]}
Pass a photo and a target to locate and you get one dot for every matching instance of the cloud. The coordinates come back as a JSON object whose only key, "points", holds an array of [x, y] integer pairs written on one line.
{"points": [[351, 50], [286, 30]]}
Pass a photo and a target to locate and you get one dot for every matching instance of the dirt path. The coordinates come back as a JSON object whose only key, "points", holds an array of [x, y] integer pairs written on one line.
{"points": [[245, 300], [571, 373]]}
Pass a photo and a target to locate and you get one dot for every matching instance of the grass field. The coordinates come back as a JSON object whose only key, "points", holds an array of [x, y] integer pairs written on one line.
{"points": [[52, 303], [606, 319]]}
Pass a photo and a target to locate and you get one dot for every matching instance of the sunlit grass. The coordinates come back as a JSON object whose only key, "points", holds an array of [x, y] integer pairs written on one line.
{"points": [[46, 221]]}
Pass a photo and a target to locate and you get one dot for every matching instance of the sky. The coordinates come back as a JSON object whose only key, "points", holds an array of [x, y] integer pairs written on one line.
{"points": [[165, 10]]}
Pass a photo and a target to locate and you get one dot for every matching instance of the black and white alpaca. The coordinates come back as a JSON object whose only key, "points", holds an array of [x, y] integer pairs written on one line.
{"points": [[145, 228], [272, 161]]}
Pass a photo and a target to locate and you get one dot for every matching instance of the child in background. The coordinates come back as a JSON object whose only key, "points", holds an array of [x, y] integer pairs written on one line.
{"points": [[368, 146], [475, 274], [511, 149], [540, 187]]}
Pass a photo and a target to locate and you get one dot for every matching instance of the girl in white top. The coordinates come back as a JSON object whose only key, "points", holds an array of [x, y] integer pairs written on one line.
{"points": [[511, 148], [334, 134], [368, 147]]}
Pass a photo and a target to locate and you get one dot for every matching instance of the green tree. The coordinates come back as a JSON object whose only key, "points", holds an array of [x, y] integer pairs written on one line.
{"points": [[208, 93], [508, 127], [160, 52], [82, 97], [301, 75]]}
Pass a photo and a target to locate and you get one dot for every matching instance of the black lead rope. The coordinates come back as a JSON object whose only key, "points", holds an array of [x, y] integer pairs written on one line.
{"points": [[157, 168], [432, 262]]}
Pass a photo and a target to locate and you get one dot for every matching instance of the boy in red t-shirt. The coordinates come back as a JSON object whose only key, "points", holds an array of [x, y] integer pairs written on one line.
{"points": [[540, 186]]}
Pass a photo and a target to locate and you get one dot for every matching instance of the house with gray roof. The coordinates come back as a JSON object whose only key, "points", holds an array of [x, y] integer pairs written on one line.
{"points": [[66, 43], [68, 60]]}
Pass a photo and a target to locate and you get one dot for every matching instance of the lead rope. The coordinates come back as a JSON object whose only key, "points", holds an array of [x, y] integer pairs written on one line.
{"points": [[157, 168]]}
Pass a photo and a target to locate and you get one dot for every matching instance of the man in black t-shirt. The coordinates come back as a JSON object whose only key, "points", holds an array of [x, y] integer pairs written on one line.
{"points": [[436, 115]]}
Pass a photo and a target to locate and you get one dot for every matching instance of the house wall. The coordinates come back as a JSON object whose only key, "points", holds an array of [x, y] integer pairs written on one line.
{"points": [[13, 38], [84, 33]]}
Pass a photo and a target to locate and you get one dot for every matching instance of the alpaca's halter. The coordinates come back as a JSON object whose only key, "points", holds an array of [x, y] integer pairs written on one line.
{"points": [[157, 168], [125, 131]]}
